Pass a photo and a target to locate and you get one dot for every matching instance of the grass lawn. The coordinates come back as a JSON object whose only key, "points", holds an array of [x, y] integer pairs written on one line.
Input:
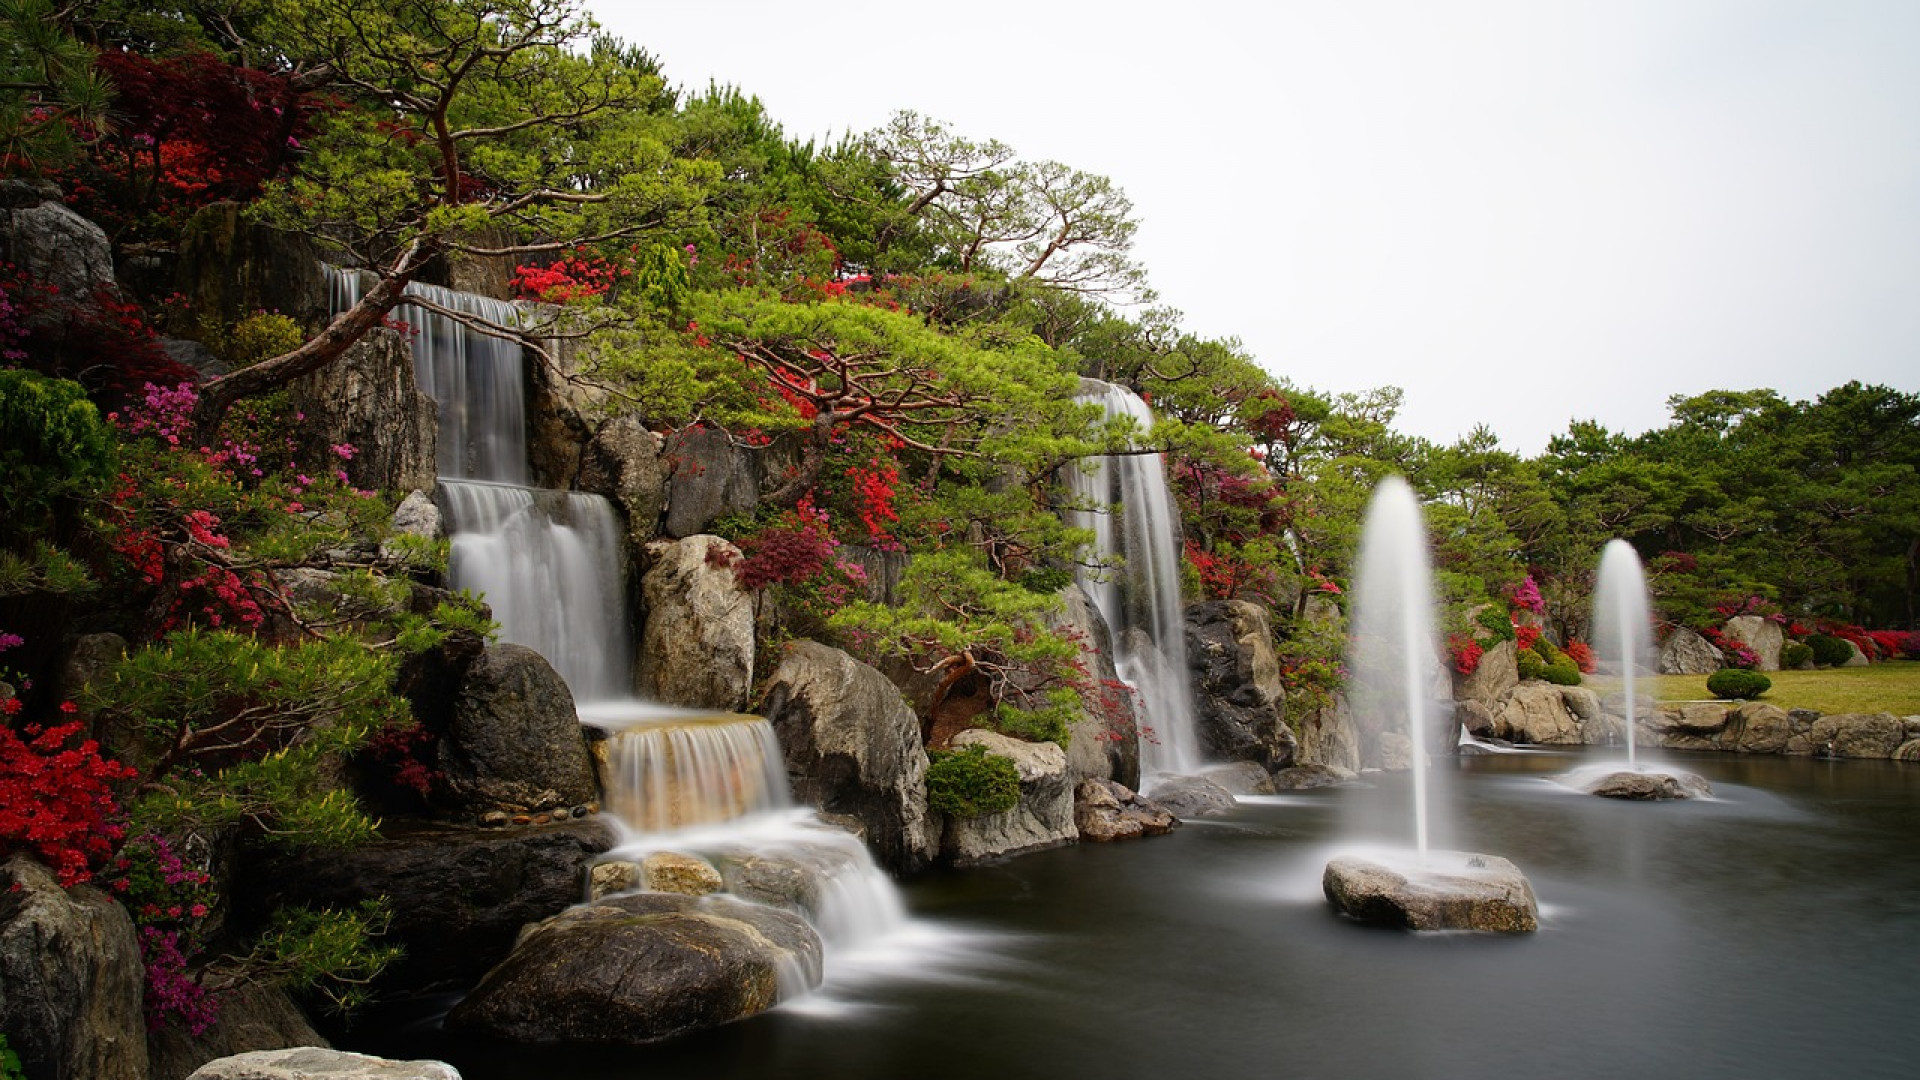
{"points": [[1892, 687]]}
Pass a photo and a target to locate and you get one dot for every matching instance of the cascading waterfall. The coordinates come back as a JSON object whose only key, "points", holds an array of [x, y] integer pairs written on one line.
{"points": [[1140, 597], [550, 564]]}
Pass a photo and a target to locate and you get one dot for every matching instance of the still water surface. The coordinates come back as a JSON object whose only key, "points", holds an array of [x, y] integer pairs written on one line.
{"points": [[1771, 932]]}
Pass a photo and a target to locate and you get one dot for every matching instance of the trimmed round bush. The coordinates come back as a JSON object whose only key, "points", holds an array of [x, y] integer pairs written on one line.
{"points": [[1563, 672], [1794, 654], [1829, 651], [970, 782], [1738, 683], [1531, 664]]}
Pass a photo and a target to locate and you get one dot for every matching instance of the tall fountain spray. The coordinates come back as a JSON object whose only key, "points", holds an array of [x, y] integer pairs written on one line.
{"points": [[1136, 528], [1623, 649], [1393, 659], [1623, 631], [1393, 656]]}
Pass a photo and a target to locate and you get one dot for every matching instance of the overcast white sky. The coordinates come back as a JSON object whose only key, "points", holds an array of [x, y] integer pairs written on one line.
{"points": [[1520, 212]]}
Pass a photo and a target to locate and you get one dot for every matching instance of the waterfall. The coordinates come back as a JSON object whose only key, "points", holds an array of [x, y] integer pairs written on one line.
{"points": [[551, 566], [1140, 597]]}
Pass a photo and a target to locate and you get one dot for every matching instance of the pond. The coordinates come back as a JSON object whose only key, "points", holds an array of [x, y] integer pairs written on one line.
{"points": [[1770, 932]]}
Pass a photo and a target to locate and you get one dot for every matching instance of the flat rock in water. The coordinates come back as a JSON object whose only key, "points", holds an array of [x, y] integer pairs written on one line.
{"points": [[1649, 786], [1241, 778], [1452, 890], [1192, 796], [1302, 777], [319, 1063]]}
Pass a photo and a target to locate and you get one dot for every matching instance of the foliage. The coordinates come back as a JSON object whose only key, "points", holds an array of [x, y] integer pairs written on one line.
{"points": [[326, 952], [1795, 654], [56, 797], [970, 782], [50, 92], [1738, 684], [10, 1067], [1829, 651], [53, 447]]}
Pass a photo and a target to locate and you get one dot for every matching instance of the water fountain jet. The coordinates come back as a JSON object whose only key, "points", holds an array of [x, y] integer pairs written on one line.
{"points": [[1394, 659], [1623, 649]]}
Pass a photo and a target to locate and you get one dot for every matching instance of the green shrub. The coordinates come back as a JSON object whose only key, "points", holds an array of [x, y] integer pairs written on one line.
{"points": [[1531, 664], [1829, 651], [1794, 654], [1738, 683], [970, 782], [1495, 621], [53, 445], [1563, 672]]}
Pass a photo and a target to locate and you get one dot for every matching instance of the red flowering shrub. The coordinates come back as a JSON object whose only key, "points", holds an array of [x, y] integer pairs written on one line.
{"points": [[1894, 643], [56, 799], [572, 278], [1582, 655], [1466, 653], [1524, 635]]}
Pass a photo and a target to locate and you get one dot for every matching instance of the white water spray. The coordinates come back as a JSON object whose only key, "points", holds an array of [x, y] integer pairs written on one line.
{"points": [[1623, 630]]}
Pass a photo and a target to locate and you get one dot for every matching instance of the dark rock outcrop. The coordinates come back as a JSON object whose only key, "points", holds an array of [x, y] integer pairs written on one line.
{"points": [[852, 747], [53, 247], [1193, 797], [515, 742], [368, 399], [708, 477], [458, 895], [70, 978], [1105, 742], [1241, 705], [229, 268], [642, 967], [622, 463]]}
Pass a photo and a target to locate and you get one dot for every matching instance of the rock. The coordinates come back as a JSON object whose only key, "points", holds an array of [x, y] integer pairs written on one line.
{"points": [[1329, 738], [1042, 819], [643, 967], [1760, 634], [1583, 703], [622, 463], [51, 245], [515, 742], [1193, 797], [801, 875], [1856, 658], [458, 895], [319, 1063], [1698, 719], [852, 747], [697, 648], [1858, 735], [1105, 740], [1757, 728], [252, 1018], [672, 872], [1453, 891], [1687, 653], [192, 354], [70, 978], [417, 515], [1475, 718], [1105, 812], [1908, 751], [1536, 712], [1495, 675], [86, 660], [1304, 777], [708, 477], [1393, 752], [613, 876], [368, 398], [1648, 786], [229, 268], [1240, 704], [1241, 778]]}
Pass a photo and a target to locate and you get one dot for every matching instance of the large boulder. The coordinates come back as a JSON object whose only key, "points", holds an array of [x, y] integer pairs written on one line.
{"points": [[515, 742], [252, 1017], [1648, 785], [320, 1063], [709, 476], [230, 267], [1451, 891], [1536, 712], [51, 245], [368, 399], [1858, 735], [814, 872], [1105, 742], [1042, 819], [1329, 738], [458, 895], [70, 978], [1495, 674], [1687, 653], [622, 463], [1676, 723], [1760, 634], [1240, 703], [1755, 727], [641, 967], [852, 747], [697, 648]]}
